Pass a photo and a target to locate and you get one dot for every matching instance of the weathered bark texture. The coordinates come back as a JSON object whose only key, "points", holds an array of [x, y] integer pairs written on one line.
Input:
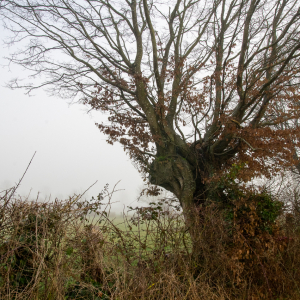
{"points": [[175, 174]]}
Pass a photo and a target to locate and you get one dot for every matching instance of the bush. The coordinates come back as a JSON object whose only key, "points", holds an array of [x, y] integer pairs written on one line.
{"points": [[71, 250]]}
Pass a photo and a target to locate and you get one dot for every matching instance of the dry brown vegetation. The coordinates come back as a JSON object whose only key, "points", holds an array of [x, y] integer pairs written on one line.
{"points": [[51, 251]]}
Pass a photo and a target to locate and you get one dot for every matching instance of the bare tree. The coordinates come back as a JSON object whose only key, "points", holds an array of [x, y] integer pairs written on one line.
{"points": [[191, 86]]}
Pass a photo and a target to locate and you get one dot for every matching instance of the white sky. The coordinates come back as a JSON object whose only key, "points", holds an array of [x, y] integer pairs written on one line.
{"points": [[71, 152]]}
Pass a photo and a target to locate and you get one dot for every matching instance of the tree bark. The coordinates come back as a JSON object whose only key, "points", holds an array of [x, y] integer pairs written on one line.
{"points": [[179, 174], [175, 174]]}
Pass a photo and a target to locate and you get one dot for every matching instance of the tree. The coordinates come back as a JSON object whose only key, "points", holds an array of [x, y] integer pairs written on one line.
{"points": [[191, 87]]}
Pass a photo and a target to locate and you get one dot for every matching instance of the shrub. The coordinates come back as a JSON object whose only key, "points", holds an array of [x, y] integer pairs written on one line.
{"points": [[71, 250]]}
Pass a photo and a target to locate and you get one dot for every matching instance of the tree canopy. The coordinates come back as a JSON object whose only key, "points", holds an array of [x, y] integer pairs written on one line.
{"points": [[191, 86]]}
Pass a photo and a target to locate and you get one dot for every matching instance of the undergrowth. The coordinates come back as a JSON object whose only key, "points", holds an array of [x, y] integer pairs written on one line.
{"points": [[55, 251]]}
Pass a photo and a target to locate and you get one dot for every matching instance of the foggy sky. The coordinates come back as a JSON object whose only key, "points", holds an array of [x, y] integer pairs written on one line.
{"points": [[71, 153]]}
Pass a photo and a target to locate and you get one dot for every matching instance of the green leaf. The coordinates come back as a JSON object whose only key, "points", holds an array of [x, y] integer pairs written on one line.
{"points": [[69, 251]]}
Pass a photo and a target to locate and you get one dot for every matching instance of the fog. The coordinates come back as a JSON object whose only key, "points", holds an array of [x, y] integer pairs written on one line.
{"points": [[71, 153]]}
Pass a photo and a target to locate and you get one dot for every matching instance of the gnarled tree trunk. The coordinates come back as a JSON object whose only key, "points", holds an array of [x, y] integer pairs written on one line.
{"points": [[179, 173]]}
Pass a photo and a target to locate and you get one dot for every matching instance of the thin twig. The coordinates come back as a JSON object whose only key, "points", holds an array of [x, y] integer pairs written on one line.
{"points": [[15, 188]]}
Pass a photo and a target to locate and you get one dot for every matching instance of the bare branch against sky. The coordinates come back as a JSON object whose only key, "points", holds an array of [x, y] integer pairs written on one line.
{"points": [[191, 88]]}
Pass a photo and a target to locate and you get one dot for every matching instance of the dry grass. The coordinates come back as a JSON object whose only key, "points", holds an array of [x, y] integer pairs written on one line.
{"points": [[51, 251]]}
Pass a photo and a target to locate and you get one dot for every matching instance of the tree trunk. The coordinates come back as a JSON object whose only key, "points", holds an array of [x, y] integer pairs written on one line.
{"points": [[175, 174]]}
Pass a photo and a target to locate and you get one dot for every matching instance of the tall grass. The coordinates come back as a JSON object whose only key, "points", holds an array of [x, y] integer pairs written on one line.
{"points": [[55, 250]]}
